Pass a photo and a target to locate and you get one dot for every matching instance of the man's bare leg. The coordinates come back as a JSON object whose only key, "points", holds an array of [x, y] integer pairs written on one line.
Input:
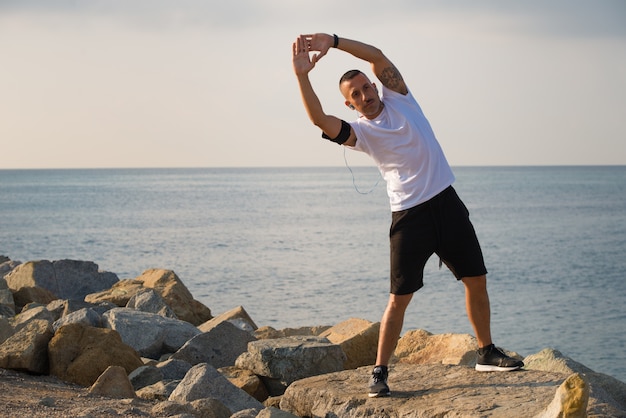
{"points": [[490, 358], [478, 309], [391, 327]]}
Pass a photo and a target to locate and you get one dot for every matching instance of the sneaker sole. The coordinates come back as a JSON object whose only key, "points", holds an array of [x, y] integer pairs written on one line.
{"points": [[490, 368], [379, 395]]}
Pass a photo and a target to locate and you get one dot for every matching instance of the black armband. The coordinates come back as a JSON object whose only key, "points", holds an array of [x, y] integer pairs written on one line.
{"points": [[343, 136], [335, 41]]}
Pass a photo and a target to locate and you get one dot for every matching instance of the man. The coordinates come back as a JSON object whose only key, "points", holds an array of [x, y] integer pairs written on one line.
{"points": [[427, 215]]}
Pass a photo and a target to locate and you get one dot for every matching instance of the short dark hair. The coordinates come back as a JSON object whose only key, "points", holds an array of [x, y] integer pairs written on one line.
{"points": [[349, 75]]}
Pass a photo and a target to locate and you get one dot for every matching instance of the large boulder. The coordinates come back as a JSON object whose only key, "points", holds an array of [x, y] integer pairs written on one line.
{"points": [[167, 284], [607, 394], [358, 339], [28, 315], [237, 316], [422, 347], [27, 349], [219, 346], [173, 369], [570, 400], [80, 354], [152, 335], [31, 294], [246, 380], [289, 359], [147, 300], [268, 333], [85, 316], [426, 390], [119, 294], [204, 381], [66, 279], [113, 383]]}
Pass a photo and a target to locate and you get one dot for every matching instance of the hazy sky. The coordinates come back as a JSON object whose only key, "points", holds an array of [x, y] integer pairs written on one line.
{"points": [[190, 83]]}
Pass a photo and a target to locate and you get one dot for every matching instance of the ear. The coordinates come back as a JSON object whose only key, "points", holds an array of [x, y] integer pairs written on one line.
{"points": [[375, 88]]}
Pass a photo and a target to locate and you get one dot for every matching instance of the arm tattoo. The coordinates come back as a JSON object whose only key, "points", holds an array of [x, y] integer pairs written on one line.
{"points": [[391, 78]]}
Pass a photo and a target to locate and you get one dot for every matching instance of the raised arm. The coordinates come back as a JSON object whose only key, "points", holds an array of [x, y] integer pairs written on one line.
{"points": [[302, 65], [382, 67]]}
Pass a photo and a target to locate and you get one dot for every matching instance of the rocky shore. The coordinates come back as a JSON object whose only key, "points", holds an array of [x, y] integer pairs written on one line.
{"points": [[79, 342]]}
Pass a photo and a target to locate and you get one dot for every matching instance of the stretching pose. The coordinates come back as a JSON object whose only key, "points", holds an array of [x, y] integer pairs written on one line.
{"points": [[427, 215]]}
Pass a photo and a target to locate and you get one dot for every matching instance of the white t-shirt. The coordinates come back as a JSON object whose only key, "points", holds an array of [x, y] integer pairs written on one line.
{"points": [[403, 145]]}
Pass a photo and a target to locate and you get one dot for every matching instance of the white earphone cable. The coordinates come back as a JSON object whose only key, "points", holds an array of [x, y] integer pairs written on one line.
{"points": [[345, 159]]}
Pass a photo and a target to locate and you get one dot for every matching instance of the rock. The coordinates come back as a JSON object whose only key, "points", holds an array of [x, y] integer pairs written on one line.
{"points": [[167, 284], [7, 311], [205, 408], [274, 413], [119, 294], [37, 312], [144, 376], [293, 358], [171, 409], [29, 294], [7, 303], [85, 316], [147, 300], [6, 266], [273, 401], [266, 332], [6, 329], [607, 394], [237, 316], [113, 383], [60, 308], [158, 391], [570, 400], [247, 413], [173, 369], [27, 349], [358, 338], [428, 390], [67, 279], [204, 381], [80, 354], [246, 381], [158, 334], [422, 347], [219, 346], [210, 408]]}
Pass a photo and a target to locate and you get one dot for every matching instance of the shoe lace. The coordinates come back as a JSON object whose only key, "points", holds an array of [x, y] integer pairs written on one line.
{"points": [[378, 376]]}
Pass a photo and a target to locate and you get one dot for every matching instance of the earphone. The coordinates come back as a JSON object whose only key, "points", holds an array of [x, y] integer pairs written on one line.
{"points": [[351, 107]]}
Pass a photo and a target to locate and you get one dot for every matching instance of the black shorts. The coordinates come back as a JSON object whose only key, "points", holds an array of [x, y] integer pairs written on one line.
{"points": [[439, 226]]}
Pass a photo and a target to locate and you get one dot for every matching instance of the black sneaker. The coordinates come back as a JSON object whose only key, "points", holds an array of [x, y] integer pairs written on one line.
{"points": [[378, 382], [492, 359]]}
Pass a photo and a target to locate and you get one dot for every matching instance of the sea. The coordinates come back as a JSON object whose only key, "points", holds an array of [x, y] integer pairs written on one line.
{"points": [[309, 246]]}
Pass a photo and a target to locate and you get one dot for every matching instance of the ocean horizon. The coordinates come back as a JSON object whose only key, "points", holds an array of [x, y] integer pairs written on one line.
{"points": [[298, 246]]}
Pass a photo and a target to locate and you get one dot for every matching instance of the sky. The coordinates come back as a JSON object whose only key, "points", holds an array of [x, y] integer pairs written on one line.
{"points": [[190, 83]]}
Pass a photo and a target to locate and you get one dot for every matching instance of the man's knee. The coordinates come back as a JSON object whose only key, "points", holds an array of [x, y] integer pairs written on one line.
{"points": [[398, 303], [475, 282]]}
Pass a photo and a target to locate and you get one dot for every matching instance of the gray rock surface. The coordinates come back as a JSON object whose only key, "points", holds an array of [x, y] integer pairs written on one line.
{"points": [[292, 358], [431, 390], [150, 334], [219, 346], [204, 381], [66, 279]]}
